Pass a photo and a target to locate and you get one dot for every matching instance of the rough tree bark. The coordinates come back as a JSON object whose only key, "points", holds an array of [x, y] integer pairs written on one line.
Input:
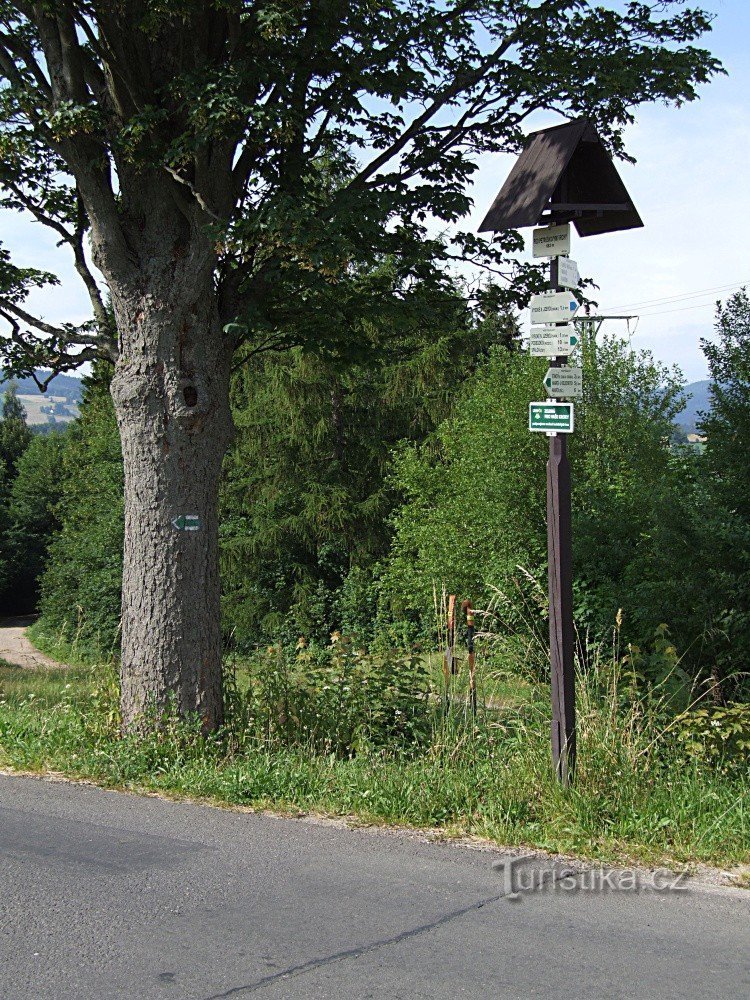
{"points": [[171, 397]]}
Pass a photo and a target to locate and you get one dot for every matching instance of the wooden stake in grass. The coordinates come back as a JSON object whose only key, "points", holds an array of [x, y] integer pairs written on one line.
{"points": [[449, 660], [469, 612]]}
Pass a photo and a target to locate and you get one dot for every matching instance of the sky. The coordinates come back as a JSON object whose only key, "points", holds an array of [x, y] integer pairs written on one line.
{"points": [[691, 186]]}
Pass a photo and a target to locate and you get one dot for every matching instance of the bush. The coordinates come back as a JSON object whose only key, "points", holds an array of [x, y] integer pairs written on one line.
{"points": [[339, 700], [718, 734], [474, 511]]}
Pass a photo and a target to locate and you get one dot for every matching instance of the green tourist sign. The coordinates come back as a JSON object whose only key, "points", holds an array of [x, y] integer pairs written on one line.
{"points": [[548, 416], [187, 522]]}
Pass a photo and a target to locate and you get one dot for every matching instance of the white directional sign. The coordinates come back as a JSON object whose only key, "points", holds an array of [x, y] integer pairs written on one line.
{"points": [[552, 341], [567, 273], [564, 383], [553, 307], [551, 241]]}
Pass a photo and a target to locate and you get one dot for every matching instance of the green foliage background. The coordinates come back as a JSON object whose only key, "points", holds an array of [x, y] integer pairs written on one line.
{"points": [[308, 494], [354, 493], [475, 512], [82, 581]]}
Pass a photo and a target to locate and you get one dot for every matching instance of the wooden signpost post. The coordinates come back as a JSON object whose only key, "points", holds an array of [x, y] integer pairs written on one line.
{"points": [[558, 424], [539, 192]]}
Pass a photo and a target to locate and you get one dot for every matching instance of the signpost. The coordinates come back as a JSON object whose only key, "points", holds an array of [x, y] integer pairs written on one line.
{"points": [[187, 522], [552, 341], [556, 418], [551, 241], [556, 338], [564, 174], [565, 383], [553, 307], [561, 630]]}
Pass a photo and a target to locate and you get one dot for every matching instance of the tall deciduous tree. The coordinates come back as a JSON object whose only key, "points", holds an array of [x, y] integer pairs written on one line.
{"points": [[233, 163]]}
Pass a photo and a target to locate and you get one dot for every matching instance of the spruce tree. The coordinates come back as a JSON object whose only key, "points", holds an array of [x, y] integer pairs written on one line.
{"points": [[15, 435]]}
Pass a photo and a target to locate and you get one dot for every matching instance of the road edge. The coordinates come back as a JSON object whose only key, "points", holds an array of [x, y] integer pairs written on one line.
{"points": [[701, 878]]}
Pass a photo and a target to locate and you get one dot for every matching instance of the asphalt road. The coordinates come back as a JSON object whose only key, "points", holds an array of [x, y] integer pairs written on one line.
{"points": [[110, 895]]}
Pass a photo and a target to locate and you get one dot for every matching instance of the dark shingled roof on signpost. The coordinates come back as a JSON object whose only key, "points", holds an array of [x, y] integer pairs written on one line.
{"points": [[567, 173]]}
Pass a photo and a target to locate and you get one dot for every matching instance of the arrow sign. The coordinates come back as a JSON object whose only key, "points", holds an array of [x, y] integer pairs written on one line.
{"points": [[556, 417], [551, 241], [187, 522], [552, 341], [567, 273], [564, 383], [553, 307]]}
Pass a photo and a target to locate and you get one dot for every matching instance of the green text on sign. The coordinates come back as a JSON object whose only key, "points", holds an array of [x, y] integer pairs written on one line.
{"points": [[551, 417]]}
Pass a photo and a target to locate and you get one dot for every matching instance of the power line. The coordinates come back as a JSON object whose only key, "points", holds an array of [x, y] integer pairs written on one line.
{"points": [[668, 299], [664, 312]]}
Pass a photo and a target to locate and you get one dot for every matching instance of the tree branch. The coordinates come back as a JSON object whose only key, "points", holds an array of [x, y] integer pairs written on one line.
{"points": [[16, 47], [85, 158], [67, 336], [38, 324], [453, 90], [75, 241], [201, 201], [36, 353]]}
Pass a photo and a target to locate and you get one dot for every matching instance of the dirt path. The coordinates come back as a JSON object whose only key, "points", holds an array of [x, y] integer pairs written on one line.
{"points": [[17, 650]]}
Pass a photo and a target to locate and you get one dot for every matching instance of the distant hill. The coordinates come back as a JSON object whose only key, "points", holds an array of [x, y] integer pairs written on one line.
{"points": [[700, 401], [57, 406], [67, 386]]}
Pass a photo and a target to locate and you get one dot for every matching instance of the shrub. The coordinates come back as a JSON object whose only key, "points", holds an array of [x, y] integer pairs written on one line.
{"points": [[338, 700]]}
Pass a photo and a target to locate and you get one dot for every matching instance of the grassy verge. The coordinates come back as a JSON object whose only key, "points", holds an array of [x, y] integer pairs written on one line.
{"points": [[634, 800], [66, 646]]}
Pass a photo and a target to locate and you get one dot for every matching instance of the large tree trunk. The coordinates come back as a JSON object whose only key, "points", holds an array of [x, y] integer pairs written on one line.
{"points": [[171, 396]]}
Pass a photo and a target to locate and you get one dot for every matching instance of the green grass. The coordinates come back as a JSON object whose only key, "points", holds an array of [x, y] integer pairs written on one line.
{"points": [[46, 688], [633, 800], [495, 686], [66, 647]]}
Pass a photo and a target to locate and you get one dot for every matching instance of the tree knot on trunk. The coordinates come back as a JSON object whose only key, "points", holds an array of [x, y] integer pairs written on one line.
{"points": [[190, 400]]}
